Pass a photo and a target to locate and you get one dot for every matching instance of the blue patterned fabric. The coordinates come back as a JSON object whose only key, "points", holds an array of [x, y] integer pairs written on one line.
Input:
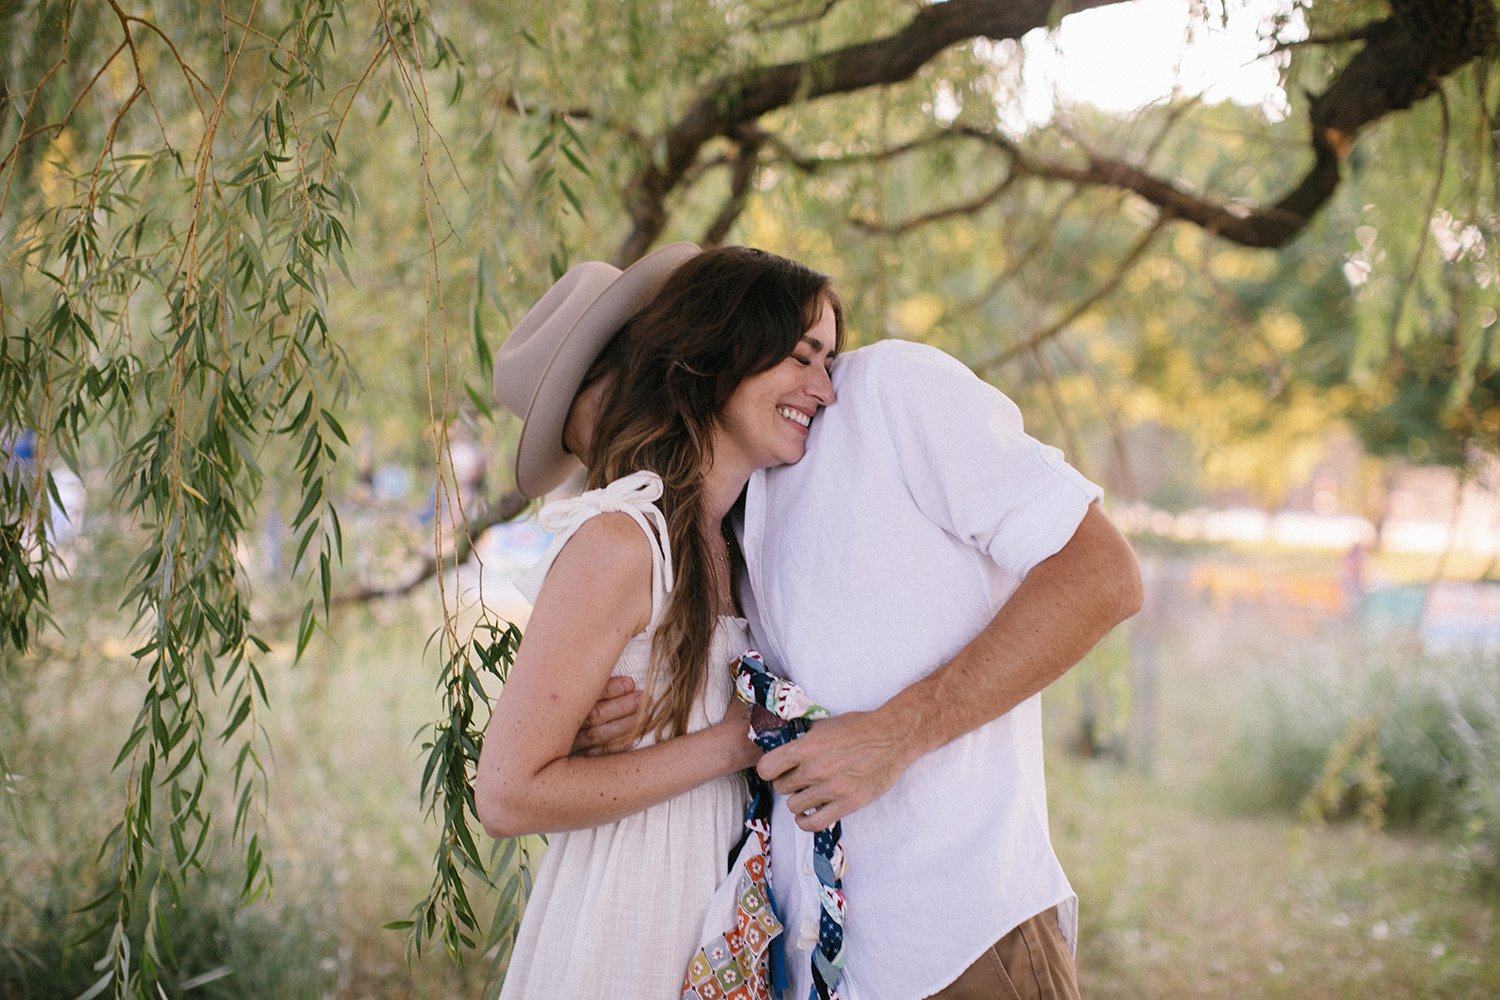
{"points": [[781, 712]]}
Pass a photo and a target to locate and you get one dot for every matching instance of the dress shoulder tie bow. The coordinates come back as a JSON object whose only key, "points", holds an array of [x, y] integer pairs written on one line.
{"points": [[635, 495]]}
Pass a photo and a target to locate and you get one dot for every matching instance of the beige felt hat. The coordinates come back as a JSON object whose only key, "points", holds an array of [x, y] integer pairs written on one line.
{"points": [[540, 366]]}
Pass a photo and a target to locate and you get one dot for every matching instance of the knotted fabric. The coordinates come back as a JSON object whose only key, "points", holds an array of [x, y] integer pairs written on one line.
{"points": [[635, 495], [739, 962]]}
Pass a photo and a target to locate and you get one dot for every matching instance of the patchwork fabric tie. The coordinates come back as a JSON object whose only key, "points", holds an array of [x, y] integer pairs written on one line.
{"points": [[784, 713], [738, 963]]}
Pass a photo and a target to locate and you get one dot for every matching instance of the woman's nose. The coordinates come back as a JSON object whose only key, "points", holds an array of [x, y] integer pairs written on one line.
{"points": [[822, 385]]}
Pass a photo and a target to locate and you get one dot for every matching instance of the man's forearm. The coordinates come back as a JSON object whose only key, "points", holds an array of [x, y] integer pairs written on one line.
{"points": [[1066, 604]]}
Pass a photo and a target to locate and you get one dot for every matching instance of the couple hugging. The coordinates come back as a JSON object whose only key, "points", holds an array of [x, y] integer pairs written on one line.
{"points": [[880, 528]]}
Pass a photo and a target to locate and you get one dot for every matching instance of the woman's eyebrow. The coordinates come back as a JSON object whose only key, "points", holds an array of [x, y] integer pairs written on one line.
{"points": [[813, 342]]}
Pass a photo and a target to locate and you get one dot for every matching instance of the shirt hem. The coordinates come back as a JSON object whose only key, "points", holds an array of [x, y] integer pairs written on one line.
{"points": [[952, 977]]}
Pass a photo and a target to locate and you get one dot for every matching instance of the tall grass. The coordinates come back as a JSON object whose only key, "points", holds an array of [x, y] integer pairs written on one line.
{"points": [[219, 950], [1406, 740], [344, 828]]}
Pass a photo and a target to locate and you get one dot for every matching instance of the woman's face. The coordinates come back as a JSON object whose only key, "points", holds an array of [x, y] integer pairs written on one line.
{"points": [[768, 416]]}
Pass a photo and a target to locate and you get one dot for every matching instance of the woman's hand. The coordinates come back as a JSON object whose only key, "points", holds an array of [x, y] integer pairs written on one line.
{"points": [[735, 730]]}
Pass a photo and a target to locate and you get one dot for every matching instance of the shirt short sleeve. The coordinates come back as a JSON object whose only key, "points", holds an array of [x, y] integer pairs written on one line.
{"points": [[971, 468]]}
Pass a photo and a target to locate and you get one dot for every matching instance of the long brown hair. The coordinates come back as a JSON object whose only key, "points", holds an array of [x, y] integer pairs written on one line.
{"points": [[723, 316]]}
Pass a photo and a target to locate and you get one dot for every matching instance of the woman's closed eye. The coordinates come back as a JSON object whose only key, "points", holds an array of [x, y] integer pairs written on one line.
{"points": [[807, 362]]}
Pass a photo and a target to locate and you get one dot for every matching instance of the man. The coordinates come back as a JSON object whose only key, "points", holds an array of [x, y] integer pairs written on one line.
{"points": [[923, 573]]}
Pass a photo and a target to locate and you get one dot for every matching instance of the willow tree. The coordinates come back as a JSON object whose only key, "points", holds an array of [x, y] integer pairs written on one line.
{"points": [[220, 221], [176, 201]]}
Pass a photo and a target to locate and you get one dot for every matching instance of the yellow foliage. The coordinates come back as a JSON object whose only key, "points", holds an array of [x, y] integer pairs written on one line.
{"points": [[1154, 331], [917, 315], [120, 79], [765, 226], [1269, 462], [1187, 242], [54, 174], [1241, 265], [1283, 331], [1090, 326], [1107, 354]]}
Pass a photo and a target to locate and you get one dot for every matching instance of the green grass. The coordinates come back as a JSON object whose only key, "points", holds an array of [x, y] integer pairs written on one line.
{"points": [[1194, 882]]}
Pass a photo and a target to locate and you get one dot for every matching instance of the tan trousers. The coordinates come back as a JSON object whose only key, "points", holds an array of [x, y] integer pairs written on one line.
{"points": [[1032, 962]]}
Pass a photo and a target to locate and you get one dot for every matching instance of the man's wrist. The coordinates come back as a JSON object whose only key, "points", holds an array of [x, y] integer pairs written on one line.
{"points": [[915, 717]]}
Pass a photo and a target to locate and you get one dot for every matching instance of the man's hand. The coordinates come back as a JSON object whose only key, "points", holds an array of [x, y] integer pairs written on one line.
{"points": [[839, 765], [1061, 609], [610, 726]]}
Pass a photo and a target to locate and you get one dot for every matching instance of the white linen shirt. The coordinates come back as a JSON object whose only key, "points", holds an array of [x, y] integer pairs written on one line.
{"points": [[920, 505]]}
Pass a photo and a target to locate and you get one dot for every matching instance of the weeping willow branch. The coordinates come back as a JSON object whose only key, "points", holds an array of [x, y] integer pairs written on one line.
{"points": [[182, 303], [1039, 337], [966, 208], [1403, 293]]}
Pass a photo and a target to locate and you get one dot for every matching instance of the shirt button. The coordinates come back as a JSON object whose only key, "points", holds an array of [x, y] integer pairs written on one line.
{"points": [[809, 935], [807, 870]]}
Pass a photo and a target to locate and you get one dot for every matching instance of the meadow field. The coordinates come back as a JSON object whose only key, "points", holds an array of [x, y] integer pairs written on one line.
{"points": [[1182, 827]]}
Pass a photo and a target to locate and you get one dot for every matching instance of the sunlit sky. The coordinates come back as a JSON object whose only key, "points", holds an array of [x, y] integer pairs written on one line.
{"points": [[1123, 57]]}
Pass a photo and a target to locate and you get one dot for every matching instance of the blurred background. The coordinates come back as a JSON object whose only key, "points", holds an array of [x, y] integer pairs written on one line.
{"points": [[1237, 258]]}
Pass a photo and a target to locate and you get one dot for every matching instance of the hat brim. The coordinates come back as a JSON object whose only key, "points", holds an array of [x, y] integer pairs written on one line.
{"points": [[541, 462]]}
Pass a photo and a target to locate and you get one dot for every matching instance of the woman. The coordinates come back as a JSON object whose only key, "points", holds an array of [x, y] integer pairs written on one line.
{"points": [[722, 373]]}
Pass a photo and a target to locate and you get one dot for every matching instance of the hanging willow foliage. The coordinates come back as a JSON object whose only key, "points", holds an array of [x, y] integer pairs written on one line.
{"points": [[175, 206]]}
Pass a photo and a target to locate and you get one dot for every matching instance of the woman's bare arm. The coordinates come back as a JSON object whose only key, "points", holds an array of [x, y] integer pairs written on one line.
{"points": [[595, 598]]}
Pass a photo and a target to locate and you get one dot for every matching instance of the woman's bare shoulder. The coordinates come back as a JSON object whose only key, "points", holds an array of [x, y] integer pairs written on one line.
{"points": [[608, 560]]}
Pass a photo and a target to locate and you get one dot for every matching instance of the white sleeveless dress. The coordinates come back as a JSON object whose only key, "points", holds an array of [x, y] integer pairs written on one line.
{"points": [[617, 910]]}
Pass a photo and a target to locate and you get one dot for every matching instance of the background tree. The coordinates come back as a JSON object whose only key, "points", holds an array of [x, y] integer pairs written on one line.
{"points": [[233, 233]]}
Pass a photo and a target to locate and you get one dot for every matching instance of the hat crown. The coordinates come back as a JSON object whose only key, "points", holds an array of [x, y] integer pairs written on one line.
{"points": [[524, 357], [544, 360]]}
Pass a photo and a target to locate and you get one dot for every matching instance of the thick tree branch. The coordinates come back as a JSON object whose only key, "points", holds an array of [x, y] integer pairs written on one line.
{"points": [[1271, 226], [508, 509], [742, 177], [743, 97], [1403, 60]]}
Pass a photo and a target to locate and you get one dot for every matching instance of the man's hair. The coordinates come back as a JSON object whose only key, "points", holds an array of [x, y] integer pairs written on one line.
{"points": [[723, 316]]}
